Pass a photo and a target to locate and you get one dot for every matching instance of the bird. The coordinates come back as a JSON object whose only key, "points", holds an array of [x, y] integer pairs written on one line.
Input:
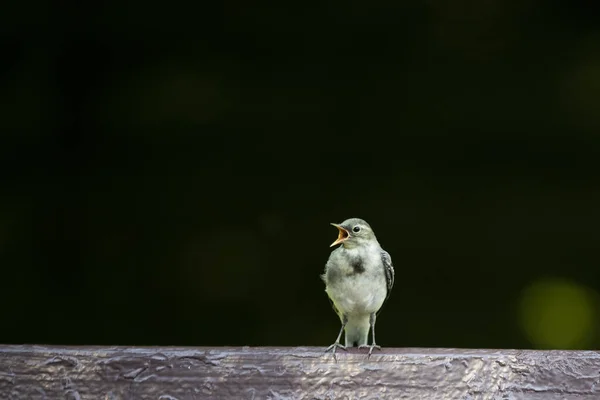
{"points": [[359, 277]]}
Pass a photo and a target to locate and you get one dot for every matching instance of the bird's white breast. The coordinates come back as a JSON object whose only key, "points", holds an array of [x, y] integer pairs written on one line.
{"points": [[358, 293]]}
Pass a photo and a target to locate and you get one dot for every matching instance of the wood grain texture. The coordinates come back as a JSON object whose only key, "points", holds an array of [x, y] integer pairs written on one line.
{"points": [[119, 373]]}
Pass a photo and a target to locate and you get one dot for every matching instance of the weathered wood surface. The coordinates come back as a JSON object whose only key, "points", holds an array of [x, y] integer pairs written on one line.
{"points": [[111, 373]]}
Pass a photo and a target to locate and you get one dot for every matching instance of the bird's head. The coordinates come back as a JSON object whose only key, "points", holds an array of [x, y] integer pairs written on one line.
{"points": [[353, 232]]}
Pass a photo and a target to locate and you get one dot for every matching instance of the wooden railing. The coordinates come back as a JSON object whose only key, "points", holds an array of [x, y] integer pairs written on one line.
{"points": [[171, 373]]}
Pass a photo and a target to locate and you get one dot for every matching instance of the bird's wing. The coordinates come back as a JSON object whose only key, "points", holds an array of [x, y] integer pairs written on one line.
{"points": [[334, 307], [324, 278], [388, 268]]}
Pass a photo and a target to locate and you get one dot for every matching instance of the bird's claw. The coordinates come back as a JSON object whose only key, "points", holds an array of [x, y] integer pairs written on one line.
{"points": [[333, 347], [371, 347]]}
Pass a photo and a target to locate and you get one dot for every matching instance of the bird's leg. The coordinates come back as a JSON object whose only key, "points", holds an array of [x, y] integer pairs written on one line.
{"points": [[337, 341], [373, 344]]}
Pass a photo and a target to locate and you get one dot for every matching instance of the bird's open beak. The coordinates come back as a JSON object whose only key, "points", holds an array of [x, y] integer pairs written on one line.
{"points": [[343, 234]]}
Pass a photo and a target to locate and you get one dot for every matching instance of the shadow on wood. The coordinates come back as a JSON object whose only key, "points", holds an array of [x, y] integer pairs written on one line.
{"points": [[43, 372]]}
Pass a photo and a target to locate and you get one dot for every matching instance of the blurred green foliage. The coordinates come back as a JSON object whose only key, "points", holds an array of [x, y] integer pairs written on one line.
{"points": [[169, 174]]}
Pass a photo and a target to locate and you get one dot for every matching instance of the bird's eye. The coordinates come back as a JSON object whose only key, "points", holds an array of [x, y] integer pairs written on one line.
{"points": [[356, 229]]}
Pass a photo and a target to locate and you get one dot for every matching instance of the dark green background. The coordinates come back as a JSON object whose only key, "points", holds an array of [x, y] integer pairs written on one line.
{"points": [[169, 172]]}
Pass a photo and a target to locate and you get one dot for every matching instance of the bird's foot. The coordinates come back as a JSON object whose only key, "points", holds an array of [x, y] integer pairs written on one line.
{"points": [[335, 346], [371, 347]]}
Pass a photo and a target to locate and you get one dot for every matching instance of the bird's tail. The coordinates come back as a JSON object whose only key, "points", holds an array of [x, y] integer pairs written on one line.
{"points": [[357, 332]]}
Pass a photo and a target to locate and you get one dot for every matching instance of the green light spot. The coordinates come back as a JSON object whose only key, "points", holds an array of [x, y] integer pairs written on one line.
{"points": [[558, 314]]}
